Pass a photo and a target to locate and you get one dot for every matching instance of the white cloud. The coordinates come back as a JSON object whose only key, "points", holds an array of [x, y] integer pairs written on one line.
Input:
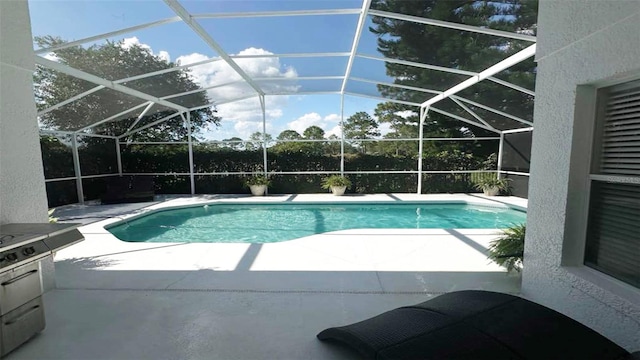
{"points": [[249, 110], [219, 73], [330, 122], [244, 117], [133, 41], [52, 56], [406, 114], [303, 122], [384, 128], [246, 128], [332, 118], [164, 55], [334, 131]]}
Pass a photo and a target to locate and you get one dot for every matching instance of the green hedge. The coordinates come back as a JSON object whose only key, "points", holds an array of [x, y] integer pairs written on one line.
{"points": [[98, 157]]}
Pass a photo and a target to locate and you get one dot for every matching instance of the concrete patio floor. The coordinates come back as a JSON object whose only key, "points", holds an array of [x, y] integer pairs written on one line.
{"points": [[118, 300]]}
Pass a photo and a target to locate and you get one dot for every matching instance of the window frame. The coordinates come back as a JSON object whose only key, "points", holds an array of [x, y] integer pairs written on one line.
{"points": [[590, 105]]}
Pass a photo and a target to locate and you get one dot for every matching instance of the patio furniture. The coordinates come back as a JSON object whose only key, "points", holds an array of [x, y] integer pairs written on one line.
{"points": [[474, 325], [128, 189]]}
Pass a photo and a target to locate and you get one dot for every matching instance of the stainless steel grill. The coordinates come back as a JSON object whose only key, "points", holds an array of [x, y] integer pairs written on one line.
{"points": [[22, 249]]}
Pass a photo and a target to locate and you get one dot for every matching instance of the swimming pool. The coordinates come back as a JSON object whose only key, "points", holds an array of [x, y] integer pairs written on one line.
{"points": [[266, 223]]}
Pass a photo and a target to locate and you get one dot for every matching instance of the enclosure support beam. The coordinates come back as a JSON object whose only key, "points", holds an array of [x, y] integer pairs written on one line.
{"points": [[215, 103], [113, 117], [423, 117], [513, 86], [142, 114], [148, 125], [263, 105], [292, 55], [118, 157], [493, 110], [200, 31], [71, 99], [500, 153], [255, 14], [382, 99], [446, 69], [471, 112], [44, 131], [65, 69], [191, 174], [419, 65], [490, 71], [452, 25], [399, 86], [342, 135], [513, 131], [454, 116], [356, 40], [76, 167], [455, 98], [107, 35]]}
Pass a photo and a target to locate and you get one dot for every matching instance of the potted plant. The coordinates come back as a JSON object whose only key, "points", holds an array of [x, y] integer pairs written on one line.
{"points": [[258, 184], [508, 250], [337, 183], [492, 186]]}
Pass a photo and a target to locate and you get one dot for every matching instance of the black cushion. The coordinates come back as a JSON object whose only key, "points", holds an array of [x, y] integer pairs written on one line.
{"points": [[474, 325]]}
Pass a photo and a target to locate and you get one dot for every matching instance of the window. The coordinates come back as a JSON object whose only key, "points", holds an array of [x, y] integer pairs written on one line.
{"points": [[613, 230]]}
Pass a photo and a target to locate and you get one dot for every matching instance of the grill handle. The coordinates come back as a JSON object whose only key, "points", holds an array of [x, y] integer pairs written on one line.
{"points": [[18, 278]]}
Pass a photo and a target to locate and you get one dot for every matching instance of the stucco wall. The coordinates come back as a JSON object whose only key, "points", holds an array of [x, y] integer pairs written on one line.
{"points": [[22, 189], [579, 42]]}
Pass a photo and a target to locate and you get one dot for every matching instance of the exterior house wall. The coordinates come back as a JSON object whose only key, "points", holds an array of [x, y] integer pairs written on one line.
{"points": [[22, 188], [579, 43]]}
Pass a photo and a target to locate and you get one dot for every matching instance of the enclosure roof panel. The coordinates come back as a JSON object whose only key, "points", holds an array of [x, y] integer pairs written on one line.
{"points": [[207, 54]]}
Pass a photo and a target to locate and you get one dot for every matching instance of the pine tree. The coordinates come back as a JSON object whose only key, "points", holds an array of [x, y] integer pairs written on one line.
{"points": [[456, 49]]}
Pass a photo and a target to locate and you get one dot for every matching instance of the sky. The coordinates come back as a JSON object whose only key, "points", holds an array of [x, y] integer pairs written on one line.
{"points": [[72, 20]]}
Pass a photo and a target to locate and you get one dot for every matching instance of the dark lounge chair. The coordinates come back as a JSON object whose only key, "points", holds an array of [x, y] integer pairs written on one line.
{"points": [[128, 189], [475, 325]]}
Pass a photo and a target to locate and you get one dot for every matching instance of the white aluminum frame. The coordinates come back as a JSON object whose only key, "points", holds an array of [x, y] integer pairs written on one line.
{"points": [[452, 25], [195, 26], [502, 65], [363, 13]]}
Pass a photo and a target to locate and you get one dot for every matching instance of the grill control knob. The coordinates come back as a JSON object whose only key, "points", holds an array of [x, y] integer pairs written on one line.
{"points": [[11, 257], [29, 251]]}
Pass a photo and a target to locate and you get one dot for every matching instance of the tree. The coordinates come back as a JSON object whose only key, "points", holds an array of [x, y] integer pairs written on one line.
{"points": [[284, 146], [235, 143], [314, 133], [403, 127], [114, 61], [289, 135], [256, 139], [440, 46], [361, 126], [333, 147]]}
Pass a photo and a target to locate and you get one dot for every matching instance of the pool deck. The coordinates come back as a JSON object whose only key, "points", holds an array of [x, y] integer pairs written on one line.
{"points": [[119, 300]]}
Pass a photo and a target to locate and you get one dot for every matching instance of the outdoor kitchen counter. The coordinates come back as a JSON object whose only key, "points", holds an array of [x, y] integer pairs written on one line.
{"points": [[25, 252]]}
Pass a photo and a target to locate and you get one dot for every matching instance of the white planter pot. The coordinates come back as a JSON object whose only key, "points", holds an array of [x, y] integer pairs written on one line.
{"points": [[338, 190], [258, 190], [492, 191]]}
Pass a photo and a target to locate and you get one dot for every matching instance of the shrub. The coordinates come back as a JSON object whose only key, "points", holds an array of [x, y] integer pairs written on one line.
{"points": [[508, 250]]}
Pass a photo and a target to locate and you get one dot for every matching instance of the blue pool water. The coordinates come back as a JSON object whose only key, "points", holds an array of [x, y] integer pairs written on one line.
{"points": [[264, 223]]}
